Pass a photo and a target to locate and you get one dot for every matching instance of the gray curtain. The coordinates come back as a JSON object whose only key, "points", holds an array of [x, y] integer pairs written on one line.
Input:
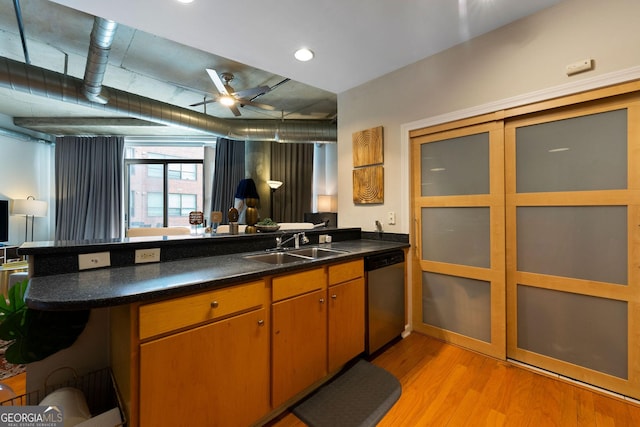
{"points": [[88, 180], [293, 165], [228, 171]]}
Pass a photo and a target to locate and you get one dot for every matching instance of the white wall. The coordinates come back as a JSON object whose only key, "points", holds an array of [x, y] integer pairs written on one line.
{"points": [[26, 169], [522, 58]]}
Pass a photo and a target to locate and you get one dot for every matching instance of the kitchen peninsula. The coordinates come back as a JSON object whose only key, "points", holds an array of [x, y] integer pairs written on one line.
{"points": [[210, 332]]}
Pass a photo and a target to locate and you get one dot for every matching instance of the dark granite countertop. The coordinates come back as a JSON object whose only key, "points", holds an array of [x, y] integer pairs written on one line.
{"points": [[143, 282]]}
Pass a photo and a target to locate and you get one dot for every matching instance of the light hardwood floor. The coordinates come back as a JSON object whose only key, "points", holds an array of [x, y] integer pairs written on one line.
{"points": [[444, 385]]}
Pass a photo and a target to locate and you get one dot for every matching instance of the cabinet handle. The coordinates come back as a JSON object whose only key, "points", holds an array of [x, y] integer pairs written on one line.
{"points": [[321, 300], [214, 304], [260, 322], [334, 296]]}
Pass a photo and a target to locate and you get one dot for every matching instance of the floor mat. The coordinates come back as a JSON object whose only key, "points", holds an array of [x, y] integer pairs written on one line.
{"points": [[358, 397]]}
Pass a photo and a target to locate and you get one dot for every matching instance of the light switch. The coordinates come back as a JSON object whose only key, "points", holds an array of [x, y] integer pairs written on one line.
{"points": [[391, 218]]}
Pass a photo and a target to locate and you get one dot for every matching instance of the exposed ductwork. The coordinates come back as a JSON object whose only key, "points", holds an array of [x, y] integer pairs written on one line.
{"points": [[102, 36], [50, 84]]}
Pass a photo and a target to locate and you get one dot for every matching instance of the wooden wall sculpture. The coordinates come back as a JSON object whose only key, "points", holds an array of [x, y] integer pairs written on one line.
{"points": [[368, 173], [368, 147]]}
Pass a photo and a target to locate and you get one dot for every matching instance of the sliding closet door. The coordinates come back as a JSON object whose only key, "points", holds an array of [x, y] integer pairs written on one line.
{"points": [[573, 231], [458, 200]]}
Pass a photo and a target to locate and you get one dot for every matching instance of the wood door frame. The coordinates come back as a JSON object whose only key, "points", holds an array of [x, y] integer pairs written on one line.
{"points": [[603, 98], [629, 197], [495, 274]]}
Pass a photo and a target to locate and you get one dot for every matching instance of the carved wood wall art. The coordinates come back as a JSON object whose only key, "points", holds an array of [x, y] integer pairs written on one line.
{"points": [[368, 157], [368, 185], [368, 147]]}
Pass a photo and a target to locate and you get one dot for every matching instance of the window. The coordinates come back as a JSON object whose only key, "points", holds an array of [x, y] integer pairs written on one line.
{"points": [[164, 184], [182, 204]]}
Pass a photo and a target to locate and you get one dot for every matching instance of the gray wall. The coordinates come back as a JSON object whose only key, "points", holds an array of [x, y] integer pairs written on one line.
{"points": [[515, 61]]}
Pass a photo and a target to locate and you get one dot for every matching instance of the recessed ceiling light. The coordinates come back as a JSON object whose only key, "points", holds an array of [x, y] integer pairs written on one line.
{"points": [[185, 1], [303, 54]]}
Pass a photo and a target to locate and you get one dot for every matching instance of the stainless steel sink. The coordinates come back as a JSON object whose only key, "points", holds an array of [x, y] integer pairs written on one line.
{"points": [[314, 252], [294, 255], [276, 258]]}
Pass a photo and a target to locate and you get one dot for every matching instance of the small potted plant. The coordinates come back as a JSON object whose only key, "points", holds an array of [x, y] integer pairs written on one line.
{"points": [[33, 335]]}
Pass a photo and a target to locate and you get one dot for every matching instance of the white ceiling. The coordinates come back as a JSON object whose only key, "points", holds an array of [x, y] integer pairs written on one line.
{"points": [[354, 40], [162, 48]]}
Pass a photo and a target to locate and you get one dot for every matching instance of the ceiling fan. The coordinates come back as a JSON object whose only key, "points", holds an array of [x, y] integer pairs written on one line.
{"points": [[231, 98]]}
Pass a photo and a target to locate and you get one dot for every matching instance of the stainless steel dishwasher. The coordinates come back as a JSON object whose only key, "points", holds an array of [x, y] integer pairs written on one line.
{"points": [[385, 311]]}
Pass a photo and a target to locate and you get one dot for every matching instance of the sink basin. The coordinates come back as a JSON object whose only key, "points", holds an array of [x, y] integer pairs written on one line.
{"points": [[316, 252], [276, 258], [293, 255]]}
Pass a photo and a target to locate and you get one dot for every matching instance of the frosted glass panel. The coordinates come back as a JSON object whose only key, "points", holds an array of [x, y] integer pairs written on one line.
{"points": [[579, 329], [584, 242], [456, 166], [457, 304], [582, 153], [457, 236]]}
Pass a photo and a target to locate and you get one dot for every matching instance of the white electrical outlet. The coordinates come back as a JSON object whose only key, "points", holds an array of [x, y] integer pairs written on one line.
{"points": [[94, 260], [391, 218], [147, 255]]}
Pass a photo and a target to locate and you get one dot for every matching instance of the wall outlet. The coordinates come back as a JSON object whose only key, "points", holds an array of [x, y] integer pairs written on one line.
{"points": [[94, 260], [391, 218], [147, 255]]}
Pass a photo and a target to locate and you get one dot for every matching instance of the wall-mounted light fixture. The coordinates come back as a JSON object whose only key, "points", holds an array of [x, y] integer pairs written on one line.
{"points": [[29, 207]]}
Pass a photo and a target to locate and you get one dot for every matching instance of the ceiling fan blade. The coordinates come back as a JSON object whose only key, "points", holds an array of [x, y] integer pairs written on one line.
{"points": [[234, 110], [253, 92], [213, 74], [256, 104], [197, 104]]}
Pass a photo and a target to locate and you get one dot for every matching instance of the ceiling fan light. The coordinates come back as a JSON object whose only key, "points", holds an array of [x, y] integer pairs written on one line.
{"points": [[227, 100], [304, 54]]}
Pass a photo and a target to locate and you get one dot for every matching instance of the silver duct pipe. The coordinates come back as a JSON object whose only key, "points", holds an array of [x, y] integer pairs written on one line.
{"points": [[102, 36], [59, 87]]}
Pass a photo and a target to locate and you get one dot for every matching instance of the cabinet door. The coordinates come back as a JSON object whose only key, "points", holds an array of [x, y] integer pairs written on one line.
{"points": [[299, 346], [346, 322], [214, 375]]}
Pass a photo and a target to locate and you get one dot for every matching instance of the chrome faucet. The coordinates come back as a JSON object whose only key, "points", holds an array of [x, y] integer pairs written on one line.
{"points": [[297, 238]]}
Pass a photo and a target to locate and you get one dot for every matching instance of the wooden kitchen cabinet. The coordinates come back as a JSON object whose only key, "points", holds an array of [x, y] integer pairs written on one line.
{"points": [[346, 330], [235, 355], [299, 333], [213, 375], [316, 330], [201, 359]]}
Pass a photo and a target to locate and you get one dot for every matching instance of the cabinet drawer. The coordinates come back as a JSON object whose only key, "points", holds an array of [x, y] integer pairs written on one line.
{"points": [[346, 271], [165, 316], [298, 283]]}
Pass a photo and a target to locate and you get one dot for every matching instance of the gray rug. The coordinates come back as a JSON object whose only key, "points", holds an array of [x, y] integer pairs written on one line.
{"points": [[358, 397]]}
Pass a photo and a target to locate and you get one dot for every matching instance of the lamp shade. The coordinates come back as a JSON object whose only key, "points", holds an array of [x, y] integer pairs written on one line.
{"points": [[274, 185], [326, 203], [29, 207]]}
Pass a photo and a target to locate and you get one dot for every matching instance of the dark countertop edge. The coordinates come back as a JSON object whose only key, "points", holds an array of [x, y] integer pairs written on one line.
{"points": [[63, 303], [87, 246]]}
